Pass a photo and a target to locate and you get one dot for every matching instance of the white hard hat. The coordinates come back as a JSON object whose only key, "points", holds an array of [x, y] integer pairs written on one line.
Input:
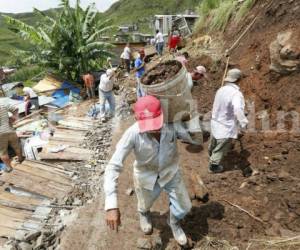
{"points": [[233, 75]]}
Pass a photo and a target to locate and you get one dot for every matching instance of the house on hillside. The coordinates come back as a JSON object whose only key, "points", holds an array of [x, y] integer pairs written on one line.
{"points": [[182, 22]]}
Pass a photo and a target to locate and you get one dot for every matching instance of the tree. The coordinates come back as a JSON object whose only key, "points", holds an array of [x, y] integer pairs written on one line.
{"points": [[69, 43]]}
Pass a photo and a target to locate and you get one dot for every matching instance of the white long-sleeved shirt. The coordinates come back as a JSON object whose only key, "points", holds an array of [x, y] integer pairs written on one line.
{"points": [[106, 84], [29, 91], [228, 112], [159, 38], [154, 161]]}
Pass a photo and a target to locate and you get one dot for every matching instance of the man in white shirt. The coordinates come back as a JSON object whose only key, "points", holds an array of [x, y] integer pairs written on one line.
{"points": [[106, 93], [127, 58], [159, 42], [227, 116], [156, 168]]}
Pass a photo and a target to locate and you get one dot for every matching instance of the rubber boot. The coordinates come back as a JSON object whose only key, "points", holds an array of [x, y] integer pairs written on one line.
{"points": [[177, 231], [215, 169], [146, 223]]}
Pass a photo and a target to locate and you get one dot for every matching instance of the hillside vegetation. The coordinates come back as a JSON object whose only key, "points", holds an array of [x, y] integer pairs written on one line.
{"points": [[10, 41], [122, 12]]}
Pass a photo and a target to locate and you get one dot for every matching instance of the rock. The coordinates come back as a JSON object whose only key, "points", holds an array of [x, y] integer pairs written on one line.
{"points": [[129, 191], [10, 246], [32, 236], [157, 243], [39, 242], [283, 175], [266, 216], [77, 202], [255, 172], [285, 53], [20, 235], [25, 246], [244, 184], [278, 157], [143, 243]]}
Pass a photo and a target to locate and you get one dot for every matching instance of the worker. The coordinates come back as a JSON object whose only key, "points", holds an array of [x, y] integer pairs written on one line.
{"points": [[127, 58], [89, 84], [183, 58], [174, 41], [31, 100], [8, 136], [139, 65], [197, 74], [159, 42], [106, 94], [156, 168], [227, 116]]}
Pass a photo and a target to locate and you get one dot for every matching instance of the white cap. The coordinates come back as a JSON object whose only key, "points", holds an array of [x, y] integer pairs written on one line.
{"points": [[233, 75], [109, 72], [201, 69]]}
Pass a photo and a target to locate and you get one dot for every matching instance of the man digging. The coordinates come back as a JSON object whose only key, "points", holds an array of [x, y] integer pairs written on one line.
{"points": [[227, 116], [156, 168]]}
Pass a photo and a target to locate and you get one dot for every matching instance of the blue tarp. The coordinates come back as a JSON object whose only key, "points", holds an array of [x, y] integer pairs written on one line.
{"points": [[62, 95], [2, 166]]}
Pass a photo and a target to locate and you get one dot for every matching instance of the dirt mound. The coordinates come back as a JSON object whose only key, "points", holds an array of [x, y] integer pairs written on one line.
{"points": [[161, 72]]}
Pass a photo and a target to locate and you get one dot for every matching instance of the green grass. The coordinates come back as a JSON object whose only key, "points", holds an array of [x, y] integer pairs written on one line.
{"points": [[222, 14], [28, 75], [215, 14], [245, 7]]}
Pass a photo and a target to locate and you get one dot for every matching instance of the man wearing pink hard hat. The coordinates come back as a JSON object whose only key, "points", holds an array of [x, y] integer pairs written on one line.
{"points": [[156, 168]]}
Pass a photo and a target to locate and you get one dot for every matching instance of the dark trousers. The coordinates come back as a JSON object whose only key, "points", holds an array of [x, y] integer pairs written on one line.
{"points": [[127, 64]]}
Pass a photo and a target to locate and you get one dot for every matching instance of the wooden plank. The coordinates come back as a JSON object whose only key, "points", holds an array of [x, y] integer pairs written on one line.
{"points": [[44, 174], [33, 184], [39, 180], [27, 119], [69, 131], [4, 195], [43, 164], [56, 169], [69, 134], [72, 128], [9, 222], [15, 213], [58, 141], [7, 231], [16, 205], [74, 137], [70, 153]]}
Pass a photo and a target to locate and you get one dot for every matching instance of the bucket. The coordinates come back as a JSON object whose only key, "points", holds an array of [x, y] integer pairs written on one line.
{"points": [[175, 96]]}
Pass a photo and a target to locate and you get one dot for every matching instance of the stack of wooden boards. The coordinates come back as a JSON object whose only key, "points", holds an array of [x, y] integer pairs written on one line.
{"points": [[26, 194]]}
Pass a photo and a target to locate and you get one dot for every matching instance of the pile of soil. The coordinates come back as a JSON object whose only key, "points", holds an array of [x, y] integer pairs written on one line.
{"points": [[161, 72]]}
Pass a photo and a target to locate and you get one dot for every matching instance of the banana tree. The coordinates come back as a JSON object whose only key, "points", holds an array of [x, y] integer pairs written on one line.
{"points": [[71, 42]]}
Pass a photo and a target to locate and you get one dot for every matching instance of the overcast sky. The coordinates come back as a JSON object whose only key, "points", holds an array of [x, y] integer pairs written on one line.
{"points": [[18, 6]]}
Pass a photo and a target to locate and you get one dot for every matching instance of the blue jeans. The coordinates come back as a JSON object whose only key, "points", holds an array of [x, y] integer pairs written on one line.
{"points": [[180, 203], [139, 90], [159, 48], [109, 97]]}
